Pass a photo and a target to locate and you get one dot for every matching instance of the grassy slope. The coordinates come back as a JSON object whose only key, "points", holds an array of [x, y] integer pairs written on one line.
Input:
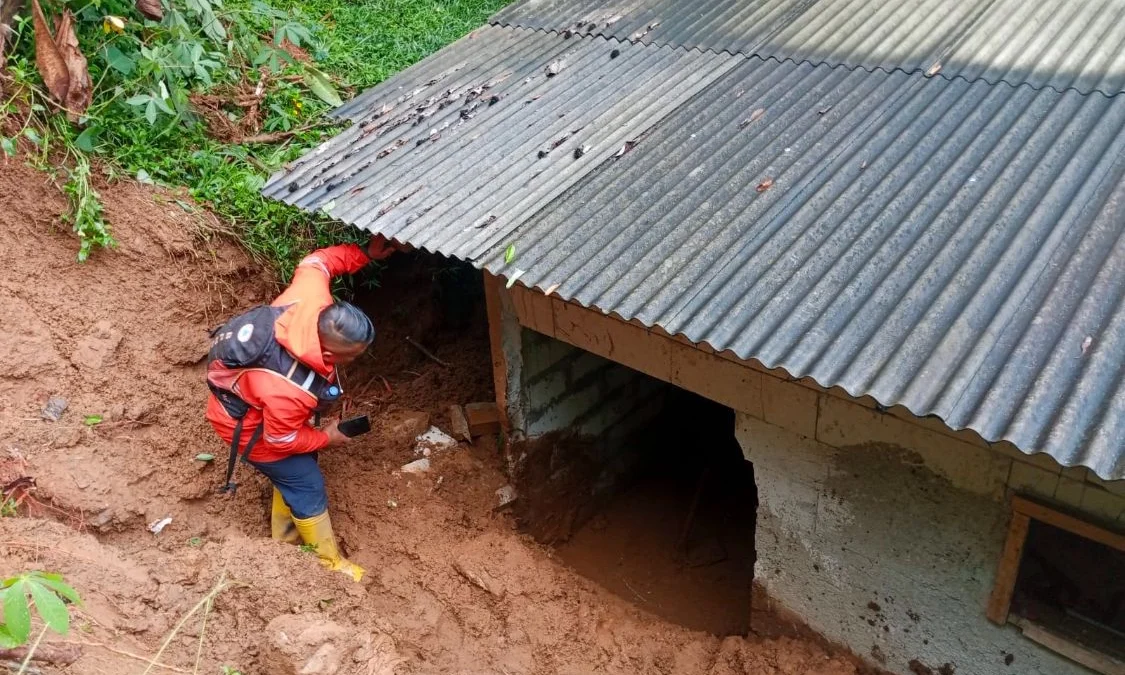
{"points": [[359, 43], [366, 42], [363, 43]]}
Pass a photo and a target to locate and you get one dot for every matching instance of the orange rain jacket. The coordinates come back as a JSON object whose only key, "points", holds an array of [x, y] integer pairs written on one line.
{"points": [[285, 408]]}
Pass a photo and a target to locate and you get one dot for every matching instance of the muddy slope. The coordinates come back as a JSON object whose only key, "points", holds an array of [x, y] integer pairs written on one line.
{"points": [[452, 588]]}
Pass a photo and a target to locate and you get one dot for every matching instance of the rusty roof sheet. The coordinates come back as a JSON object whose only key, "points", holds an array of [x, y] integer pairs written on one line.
{"points": [[453, 153], [1056, 43]]}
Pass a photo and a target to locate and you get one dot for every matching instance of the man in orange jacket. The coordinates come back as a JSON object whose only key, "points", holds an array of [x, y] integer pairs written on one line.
{"points": [[316, 335]]}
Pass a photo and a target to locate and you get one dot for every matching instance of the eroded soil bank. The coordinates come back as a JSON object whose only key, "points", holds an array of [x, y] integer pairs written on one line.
{"points": [[452, 586]]}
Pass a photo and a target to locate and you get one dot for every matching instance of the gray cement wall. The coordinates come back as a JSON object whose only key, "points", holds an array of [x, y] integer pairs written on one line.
{"points": [[878, 551], [566, 388]]}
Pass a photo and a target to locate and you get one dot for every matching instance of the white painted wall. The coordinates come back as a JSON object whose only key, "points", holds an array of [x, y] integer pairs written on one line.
{"points": [[887, 543]]}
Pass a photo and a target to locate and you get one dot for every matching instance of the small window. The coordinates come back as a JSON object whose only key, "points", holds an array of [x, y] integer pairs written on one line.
{"points": [[1061, 580]]}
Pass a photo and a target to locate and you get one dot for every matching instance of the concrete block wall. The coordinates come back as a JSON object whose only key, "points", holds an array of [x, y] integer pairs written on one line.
{"points": [[570, 389], [995, 470], [862, 509]]}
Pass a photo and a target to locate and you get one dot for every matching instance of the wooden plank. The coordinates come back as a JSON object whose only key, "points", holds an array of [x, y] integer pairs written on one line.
{"points": [[458, 424], [493, 288], [1008, 569], [1069, 523], [1094, 660]]}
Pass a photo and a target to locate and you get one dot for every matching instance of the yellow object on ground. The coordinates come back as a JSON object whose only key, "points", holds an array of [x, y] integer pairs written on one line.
{"points": [[282, 527], [317, 531]]}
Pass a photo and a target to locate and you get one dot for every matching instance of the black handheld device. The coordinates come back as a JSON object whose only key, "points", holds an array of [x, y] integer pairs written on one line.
{"points": [[356, 426]]}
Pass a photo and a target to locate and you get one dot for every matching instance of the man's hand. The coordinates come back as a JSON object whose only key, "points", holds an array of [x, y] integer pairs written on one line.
{"points": [[378, 248], [335, 437]]}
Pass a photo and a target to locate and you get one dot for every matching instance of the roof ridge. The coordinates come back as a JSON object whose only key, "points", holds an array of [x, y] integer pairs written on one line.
{"points": [[821, 62]]}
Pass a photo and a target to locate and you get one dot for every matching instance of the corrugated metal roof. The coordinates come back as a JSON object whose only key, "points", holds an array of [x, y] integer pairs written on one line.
{"points": [[1056, 43], [1051, 43], [951, 246], [499, 139]]}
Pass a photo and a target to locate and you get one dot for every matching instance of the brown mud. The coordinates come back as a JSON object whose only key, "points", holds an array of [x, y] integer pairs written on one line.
{"points": [[452, 587]]}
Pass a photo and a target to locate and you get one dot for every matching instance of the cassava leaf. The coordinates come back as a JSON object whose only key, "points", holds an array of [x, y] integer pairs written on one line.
{"points": [[7, 640], [56, 584], [321, 86], [17, 617], [87, 141], [117, 60], [50, 607]]}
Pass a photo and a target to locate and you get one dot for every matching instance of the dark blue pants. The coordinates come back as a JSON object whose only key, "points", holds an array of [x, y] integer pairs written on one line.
{"points": [[300, 482]]}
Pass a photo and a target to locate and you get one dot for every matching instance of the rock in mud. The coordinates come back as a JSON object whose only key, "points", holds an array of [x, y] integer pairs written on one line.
{"points": [[459, 424], [505, 495], [434, 440], [305, 644], [479, 576], [53, 411], [407, 424], [417, 466], [96, 350]]}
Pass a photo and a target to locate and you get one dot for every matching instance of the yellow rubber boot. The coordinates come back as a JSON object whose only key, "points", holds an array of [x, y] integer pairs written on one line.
{"points": [[282, 527], [317, 531]]}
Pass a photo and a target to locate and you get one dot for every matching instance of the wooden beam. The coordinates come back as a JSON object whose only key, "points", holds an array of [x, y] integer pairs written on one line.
{"points": [[493, 287], [1046, 514], [1008, 569], [1092, 659], [482, 418]]}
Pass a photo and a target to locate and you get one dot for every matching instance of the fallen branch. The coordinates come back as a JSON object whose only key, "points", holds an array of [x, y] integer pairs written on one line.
{"points": [[14, 666], [427, 353], [275, 136], [56, 655]]}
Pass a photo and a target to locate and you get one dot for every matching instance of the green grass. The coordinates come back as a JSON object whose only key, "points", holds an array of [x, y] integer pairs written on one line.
{"points": [[367, 42], [359, 44]]}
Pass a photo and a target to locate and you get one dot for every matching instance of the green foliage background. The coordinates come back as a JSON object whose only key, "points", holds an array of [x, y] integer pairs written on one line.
{"points": [[142, 125]]}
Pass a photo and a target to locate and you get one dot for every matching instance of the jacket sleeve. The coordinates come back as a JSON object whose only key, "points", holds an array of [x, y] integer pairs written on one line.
{"points": [[335, 261], [287, 429]]}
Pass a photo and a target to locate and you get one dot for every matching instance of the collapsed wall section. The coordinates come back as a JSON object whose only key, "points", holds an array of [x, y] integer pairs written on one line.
{"points": [[579, 420]]}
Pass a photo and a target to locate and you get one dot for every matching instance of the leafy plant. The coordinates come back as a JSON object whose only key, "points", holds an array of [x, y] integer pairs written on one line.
{"points": [[48, 595], [8, 507], [307, 548], [227, 670], [86, 216], [148, 76]]}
